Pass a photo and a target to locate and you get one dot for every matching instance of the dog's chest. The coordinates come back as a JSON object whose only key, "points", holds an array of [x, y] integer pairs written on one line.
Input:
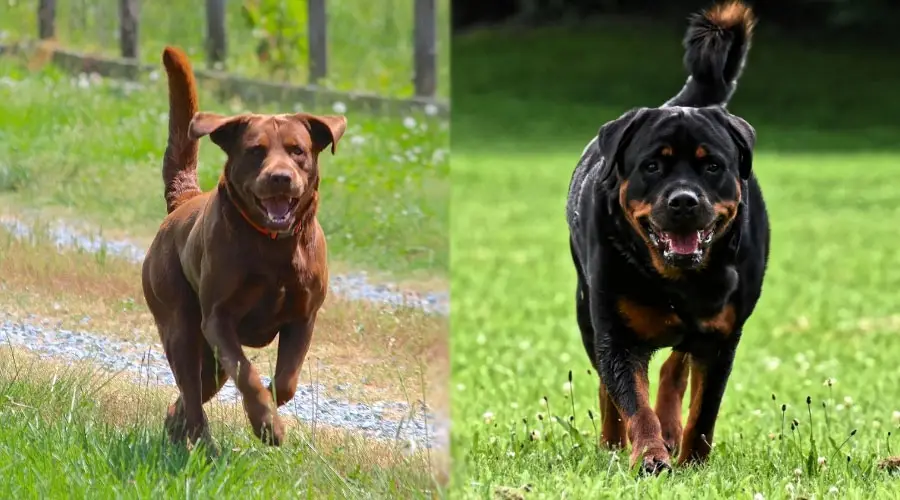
{"points": [[661, 326], [277, 306]]}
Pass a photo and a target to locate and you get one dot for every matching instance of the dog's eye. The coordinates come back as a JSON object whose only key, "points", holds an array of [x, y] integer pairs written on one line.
{"points": [[713, 168], [294, 150], [651, 168], [256, 150]]}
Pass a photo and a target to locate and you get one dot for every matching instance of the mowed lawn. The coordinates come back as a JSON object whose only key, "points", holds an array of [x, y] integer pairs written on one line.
{"points": [[827, 159]]}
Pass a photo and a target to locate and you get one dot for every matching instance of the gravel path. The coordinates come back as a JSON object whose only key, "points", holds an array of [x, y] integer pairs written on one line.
{"points": [[354, 286], [312, 403]]}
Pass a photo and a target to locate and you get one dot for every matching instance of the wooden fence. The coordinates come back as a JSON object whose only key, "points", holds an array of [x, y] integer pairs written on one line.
{"points": [[424, 37]]}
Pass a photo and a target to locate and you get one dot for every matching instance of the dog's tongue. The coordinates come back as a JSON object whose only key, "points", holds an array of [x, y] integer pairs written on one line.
{"points": [[684, 244], [278, 207]]}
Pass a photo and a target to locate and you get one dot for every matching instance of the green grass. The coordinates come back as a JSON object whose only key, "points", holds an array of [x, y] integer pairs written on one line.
{"points": [[370, 43], [828, 166], [94, 151], [66, 435]]}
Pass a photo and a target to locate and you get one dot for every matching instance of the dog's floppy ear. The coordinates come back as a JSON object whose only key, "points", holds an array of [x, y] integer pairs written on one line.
{"points": [[615, 135], [744, 136], [324, 129], [223, 130]]}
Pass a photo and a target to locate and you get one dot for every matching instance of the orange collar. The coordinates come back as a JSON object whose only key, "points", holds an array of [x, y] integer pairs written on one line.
{"points": [[266, 232]]}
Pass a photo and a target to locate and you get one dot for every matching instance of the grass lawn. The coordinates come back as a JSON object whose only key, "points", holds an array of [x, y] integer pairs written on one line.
{"points": [[72, 432], [382, 31], [827, 160], [93, 150]]}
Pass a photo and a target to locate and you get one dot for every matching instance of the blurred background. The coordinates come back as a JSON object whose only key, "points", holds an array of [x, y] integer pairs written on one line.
{"points": [[346, 44], [533, 81], [805, 15]]}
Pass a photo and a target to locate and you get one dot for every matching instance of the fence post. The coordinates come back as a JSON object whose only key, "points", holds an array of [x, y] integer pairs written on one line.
{"points": [[317, 26], [216, 39], [425, 42], [128, 28], [47, 19]]}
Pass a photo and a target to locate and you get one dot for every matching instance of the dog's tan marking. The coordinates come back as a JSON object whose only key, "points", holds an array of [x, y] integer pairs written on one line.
{"points": [[648, 323], [634, 211], [723, 322]]}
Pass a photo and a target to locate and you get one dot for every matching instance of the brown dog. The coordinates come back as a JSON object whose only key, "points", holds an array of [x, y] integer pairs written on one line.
{"points": [[240, 264]]}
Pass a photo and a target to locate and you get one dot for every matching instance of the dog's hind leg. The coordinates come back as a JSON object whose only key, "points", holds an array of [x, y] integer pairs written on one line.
{"points": [[183, 344], [614, 431], [212, 378], [613, 426], [672, 383]]}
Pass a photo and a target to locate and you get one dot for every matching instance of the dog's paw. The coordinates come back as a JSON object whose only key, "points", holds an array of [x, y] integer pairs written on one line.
{"points": [[672, 439], [180, 430], [271, 430], [653, 466], [653, 459]]}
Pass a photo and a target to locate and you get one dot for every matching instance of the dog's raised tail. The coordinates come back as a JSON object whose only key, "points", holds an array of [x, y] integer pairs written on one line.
{"points": [[180, 162], [716, 46]]}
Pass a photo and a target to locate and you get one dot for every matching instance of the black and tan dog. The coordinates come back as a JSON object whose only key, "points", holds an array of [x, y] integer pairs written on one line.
{"points": [[670, 239]]}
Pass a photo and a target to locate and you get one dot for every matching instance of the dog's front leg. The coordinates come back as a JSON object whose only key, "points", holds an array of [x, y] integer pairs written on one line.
{"points": [[293, 344], [220, 330], [624, 374], [709, 376], [623, 369]]}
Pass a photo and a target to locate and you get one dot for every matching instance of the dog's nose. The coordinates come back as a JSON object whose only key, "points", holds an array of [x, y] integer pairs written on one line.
{"points": [[683, 203], [280, 179]]}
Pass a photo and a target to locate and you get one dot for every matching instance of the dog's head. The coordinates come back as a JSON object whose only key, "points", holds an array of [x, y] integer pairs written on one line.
{"points": [[272, 165], [678, 179]]}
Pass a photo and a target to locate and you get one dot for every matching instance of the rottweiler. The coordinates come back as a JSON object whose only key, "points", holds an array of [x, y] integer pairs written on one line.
{"points": [[669, 235]]}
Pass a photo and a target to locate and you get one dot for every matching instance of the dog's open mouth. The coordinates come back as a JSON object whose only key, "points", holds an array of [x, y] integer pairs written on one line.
{"points": [[278, 209], [682, 246]]}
